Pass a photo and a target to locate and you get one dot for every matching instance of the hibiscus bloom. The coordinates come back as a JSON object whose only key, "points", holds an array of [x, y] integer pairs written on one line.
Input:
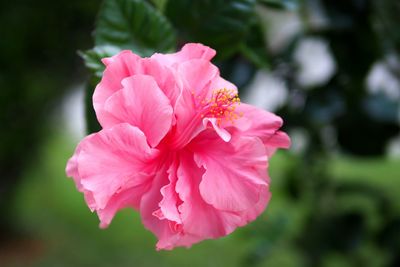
{"points": [[178, 146]]}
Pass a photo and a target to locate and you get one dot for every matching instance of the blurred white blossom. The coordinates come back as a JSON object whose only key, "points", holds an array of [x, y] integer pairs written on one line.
{"points": [[300, 140], [282, 27], [266, 91], [315, 61], [73, 113], [381, 80]]}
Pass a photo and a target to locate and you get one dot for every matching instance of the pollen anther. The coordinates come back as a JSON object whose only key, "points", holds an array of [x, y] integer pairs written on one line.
{"points": [[221, 105]]}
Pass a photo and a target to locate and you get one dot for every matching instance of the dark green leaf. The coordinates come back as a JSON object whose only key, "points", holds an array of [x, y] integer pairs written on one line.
{"points": [[93, 58], [237, 70], [159, 4], [220, 24], [255, 48], [134, 25], [386, 20], [281, 4]]}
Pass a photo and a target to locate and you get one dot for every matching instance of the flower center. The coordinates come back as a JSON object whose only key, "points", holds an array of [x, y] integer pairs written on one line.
{"points": [[221, 105]]}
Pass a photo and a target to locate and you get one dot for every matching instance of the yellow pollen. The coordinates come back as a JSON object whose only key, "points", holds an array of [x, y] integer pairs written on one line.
{"points": [[221, 105]]}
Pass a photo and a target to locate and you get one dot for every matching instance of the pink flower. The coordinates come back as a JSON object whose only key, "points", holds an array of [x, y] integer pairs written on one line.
{"points": [[176, 145]]}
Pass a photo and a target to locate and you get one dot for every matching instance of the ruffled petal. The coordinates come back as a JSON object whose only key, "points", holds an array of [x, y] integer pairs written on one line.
{"points": [[196, 77], [252, 213], [111, 161], [126, 64], [129, 197], [200, 219], [236, 172], [265, 125], [184, 218], [72, 166], [224, 134], [73, 171], [168, 232], [188, 52], [164, 76], [118, 67], [170, 201], [140, 103]]}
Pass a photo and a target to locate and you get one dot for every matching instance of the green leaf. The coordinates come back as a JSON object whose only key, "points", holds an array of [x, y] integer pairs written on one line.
{"points": [[93, 58], [221, 24], [386, 20], [134, 25], [255, 48], [281, 4], [159, 4]]}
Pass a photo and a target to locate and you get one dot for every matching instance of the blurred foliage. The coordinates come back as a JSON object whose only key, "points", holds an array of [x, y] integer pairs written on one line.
{"points": [[326, 211], [37, 38], [223, 25], [281, 4]]}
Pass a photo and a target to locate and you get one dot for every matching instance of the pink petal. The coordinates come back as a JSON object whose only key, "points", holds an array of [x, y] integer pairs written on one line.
{"points": [[140, 103], [72, 171], [188, 52], [196, 75], [127, 198], [167, 232], [111, 161], [199, 218], [72, 166], [170, 201], [236, 172], [264, 125], [164, 76], [221, 83], [126, 64], [224, 134], [252, 213], [118, 67]]}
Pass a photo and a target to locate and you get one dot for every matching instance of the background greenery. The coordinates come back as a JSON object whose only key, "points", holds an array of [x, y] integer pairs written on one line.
{"points": [[335, 202]]}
